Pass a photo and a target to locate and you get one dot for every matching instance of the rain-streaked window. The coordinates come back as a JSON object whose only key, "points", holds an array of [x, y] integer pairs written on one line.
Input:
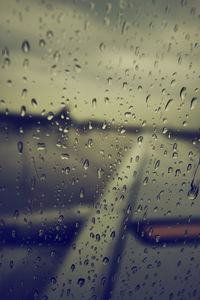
{"points": [[99, 149]]}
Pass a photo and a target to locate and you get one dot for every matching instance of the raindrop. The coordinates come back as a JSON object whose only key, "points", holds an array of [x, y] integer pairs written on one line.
{"points": [[127, 114], [50, 116], [49, 34], [81, 282], [67, 170], [34, 103], [175, 28], [77, 68], [173, 83], [72, 267], [193, 103], [98, 237], [105, 260], [23, 111], [90, 143], [189, 167], [139, 88], [41, 146], [42, 43], [94, 102], [102, 46], [146, 180], [112, 235], [24, 93], [147, 99], [174, 146], [20, 146], [7, 61], [157, 238], [168, 103], [53, 280], [25, 63], [5, 51], [52, 253], [170, 170], [86, 164], [25, 46], [100, 173], [82, 193], [183, 93], [56, 56], [64, 156], [157, 164], [194, 187], [139, 140]]}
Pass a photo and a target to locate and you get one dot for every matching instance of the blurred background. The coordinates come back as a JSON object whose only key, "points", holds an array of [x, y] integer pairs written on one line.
{"points": [[82, 84]]}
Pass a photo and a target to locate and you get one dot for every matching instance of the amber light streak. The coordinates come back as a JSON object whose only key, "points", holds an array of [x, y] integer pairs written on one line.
{"points": [[170, 232]]}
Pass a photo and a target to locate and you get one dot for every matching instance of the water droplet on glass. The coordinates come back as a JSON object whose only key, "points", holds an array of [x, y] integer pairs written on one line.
{"points": [[56, 56], [90, 143], [64, 156], [157, 238], [183, 93], [34, 103], [170, 170], [127, 114], [73, 267], [20, 146], [86, 164], [168, 103], [49, 34], [157, 164], [53, 280], [26, 63], [50, 116], [112, 235], [102, 46], [52, 253], [24, 93], [146, 180], [82, 193], [173, 83], [139, 140], [147, 99], [41, 146], [189, 167], [67, 170], [7, 61], [175, 146], [77, 68], [193, 192], [42, 43], [81, 282], [23, 111], [193, 103], [94, 102], [194, 187], [98, 237], [5, 51], [105, 260], [100, 173], [25, 46]]}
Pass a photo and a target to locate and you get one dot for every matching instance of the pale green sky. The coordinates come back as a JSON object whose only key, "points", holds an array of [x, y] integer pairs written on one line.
{"points": [[134, 57]]}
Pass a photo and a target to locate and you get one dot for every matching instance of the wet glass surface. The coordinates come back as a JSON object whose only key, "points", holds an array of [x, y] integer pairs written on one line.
{"points": [[99, 150]]}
